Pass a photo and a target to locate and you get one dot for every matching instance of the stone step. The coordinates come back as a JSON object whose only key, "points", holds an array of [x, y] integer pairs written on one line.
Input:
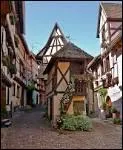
{"points": [[8, 124], [5, 120]]}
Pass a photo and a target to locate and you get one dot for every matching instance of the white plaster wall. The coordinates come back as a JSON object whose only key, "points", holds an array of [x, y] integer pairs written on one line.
{"points": [[114, 93], [99, 100], [119, 61], [116, 97], [102, 21], [56, 105], [115, 25]]}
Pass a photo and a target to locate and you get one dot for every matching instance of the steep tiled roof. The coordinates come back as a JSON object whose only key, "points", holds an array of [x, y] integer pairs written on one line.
{"points": [[71, 51], [94, 60], [112, 10]]}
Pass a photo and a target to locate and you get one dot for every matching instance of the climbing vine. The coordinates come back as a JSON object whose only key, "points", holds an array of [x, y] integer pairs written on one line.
{"points": [[103, 93]]}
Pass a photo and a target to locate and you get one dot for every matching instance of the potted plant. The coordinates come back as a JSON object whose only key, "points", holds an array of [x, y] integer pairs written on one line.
{"points": [[114, 112], [118, 114], [117, 121]]}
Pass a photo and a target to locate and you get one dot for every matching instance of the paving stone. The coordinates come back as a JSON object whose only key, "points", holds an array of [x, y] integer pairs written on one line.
{"points": [[32, 131]]}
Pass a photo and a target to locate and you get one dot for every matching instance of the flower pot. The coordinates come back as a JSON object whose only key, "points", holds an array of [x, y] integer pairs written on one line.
{"points": [[103, 114], [118, 115]]}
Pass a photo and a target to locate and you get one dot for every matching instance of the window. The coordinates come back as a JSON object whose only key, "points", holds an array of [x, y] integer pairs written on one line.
{"points": [[96, 73], [18, 91], [78, 107], [79, 86], [13, 89], [103, 34], [107, 64], [102, 71]]}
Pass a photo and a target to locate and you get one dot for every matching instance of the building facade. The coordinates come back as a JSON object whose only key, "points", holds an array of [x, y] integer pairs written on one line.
{"points": [[55, 42], [18, 66], [67, 86], [107, 67]]}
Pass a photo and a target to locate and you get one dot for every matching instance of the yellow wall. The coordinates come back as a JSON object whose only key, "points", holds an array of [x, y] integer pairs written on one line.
{"points": [[75, 98], [78, 98]]}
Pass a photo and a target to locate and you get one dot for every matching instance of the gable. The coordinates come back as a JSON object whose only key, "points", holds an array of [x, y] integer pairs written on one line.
{"points": [[55, 42]]}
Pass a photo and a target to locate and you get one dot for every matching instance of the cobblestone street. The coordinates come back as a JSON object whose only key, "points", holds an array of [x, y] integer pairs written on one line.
{"points": [[31, 130]]}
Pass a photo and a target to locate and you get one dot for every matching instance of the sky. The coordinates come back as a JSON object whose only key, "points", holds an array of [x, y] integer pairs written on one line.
{"points": [[77, 19]]}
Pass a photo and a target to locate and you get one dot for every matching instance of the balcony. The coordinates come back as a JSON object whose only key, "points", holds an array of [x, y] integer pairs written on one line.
{"points": [[108, 82], [5, 77]]}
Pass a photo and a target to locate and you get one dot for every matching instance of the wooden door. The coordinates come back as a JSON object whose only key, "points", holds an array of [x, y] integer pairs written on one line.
{"points": [[78, 107]]}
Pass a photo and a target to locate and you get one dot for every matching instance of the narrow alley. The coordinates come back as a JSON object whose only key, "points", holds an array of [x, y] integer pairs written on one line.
{"points": [[30, 130]]}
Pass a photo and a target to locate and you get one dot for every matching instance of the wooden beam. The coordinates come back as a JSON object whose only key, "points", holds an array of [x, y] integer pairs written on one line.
{"points": [[103, 26], [63, 77], [57, 45], [116, 30], [52, 47], [114, 19], [109, 32]]}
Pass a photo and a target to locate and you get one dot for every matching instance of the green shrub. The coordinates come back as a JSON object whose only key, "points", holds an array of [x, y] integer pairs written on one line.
{"points": [[116, 121], [71, 122]]}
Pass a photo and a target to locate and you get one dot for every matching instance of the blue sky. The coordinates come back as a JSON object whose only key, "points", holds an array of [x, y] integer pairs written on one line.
{"points": [[77, 19]]}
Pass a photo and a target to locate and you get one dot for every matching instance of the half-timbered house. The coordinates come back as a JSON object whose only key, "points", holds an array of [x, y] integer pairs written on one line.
{"points": [[67, 84], [8, 52], [110, 61], [55, 42]]}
